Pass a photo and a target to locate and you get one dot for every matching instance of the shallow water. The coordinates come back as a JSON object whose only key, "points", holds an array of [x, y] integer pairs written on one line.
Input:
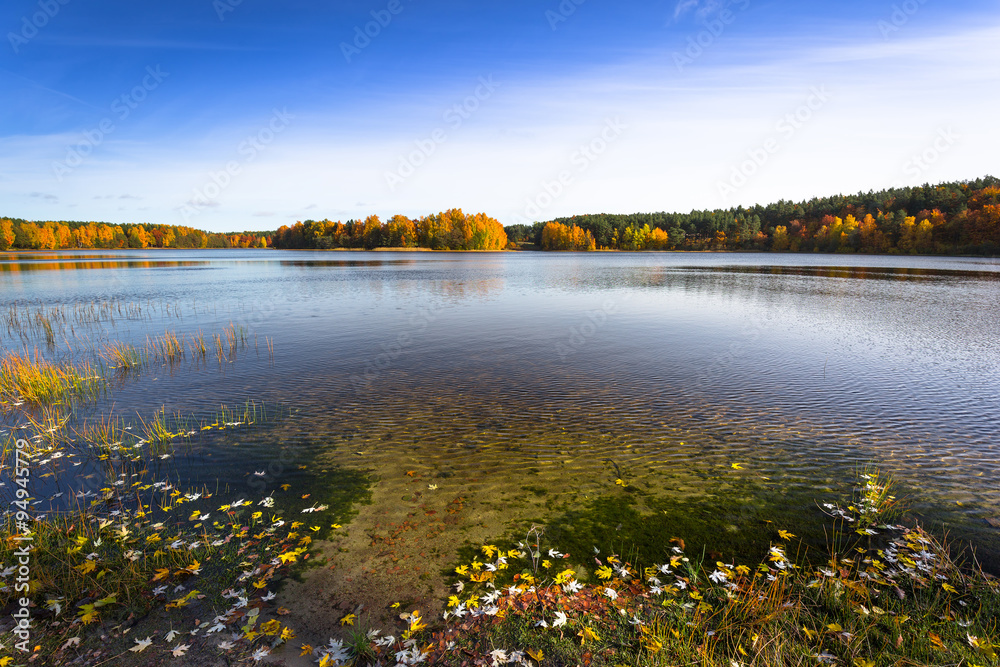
{"points": [[532, 382]]}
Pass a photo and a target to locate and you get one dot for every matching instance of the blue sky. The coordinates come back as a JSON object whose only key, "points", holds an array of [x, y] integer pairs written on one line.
{"points": [[232, 114]]}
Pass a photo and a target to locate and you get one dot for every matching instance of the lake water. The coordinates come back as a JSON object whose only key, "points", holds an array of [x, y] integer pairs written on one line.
{"points": [[523, 386]]}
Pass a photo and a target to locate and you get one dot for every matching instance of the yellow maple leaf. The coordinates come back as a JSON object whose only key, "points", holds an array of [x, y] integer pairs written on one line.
{"points": [[586, 634], [88, 614], [87, 567], [416, 622], [348, 620], [272, 627]]}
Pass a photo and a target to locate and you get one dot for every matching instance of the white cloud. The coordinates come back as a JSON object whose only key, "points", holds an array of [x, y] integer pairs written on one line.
{"points": [[701, 8]]}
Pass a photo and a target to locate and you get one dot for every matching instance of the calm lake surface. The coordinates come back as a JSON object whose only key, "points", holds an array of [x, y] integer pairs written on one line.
{"points": [[535, 381]]}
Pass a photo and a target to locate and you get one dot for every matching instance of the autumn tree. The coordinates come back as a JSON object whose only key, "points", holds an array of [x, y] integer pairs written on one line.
{"points": [[873, 240], [556, 236], [137, 237], [907, 235], [779, 240], [400, 232], [6, 234]]}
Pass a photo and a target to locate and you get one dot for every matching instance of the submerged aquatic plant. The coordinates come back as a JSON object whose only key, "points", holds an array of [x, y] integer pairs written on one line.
{"points": [[889, 598]]}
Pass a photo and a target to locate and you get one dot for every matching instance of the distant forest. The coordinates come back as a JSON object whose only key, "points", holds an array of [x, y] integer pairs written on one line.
{"points": [[448, 230], [951, 218], [17, 234]]}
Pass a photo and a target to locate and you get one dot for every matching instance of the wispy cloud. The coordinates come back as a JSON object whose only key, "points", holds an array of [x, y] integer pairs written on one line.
{"points": [[701, 8], [47, 89], [149, 44]]}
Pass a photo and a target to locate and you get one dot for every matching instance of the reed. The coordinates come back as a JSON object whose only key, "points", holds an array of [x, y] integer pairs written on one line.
{"points": [[35, 381], [197, 345], [220, 353], [123, 357], [157, 432], [167, 348]]}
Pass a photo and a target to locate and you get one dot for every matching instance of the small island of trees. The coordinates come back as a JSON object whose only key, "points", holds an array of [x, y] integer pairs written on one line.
{"points": [[448, 230]]}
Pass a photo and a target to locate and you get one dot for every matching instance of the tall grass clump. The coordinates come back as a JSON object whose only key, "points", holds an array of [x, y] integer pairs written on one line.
{"points": [[123, 357], [167, 348], [197, 345], [35, 381]]}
